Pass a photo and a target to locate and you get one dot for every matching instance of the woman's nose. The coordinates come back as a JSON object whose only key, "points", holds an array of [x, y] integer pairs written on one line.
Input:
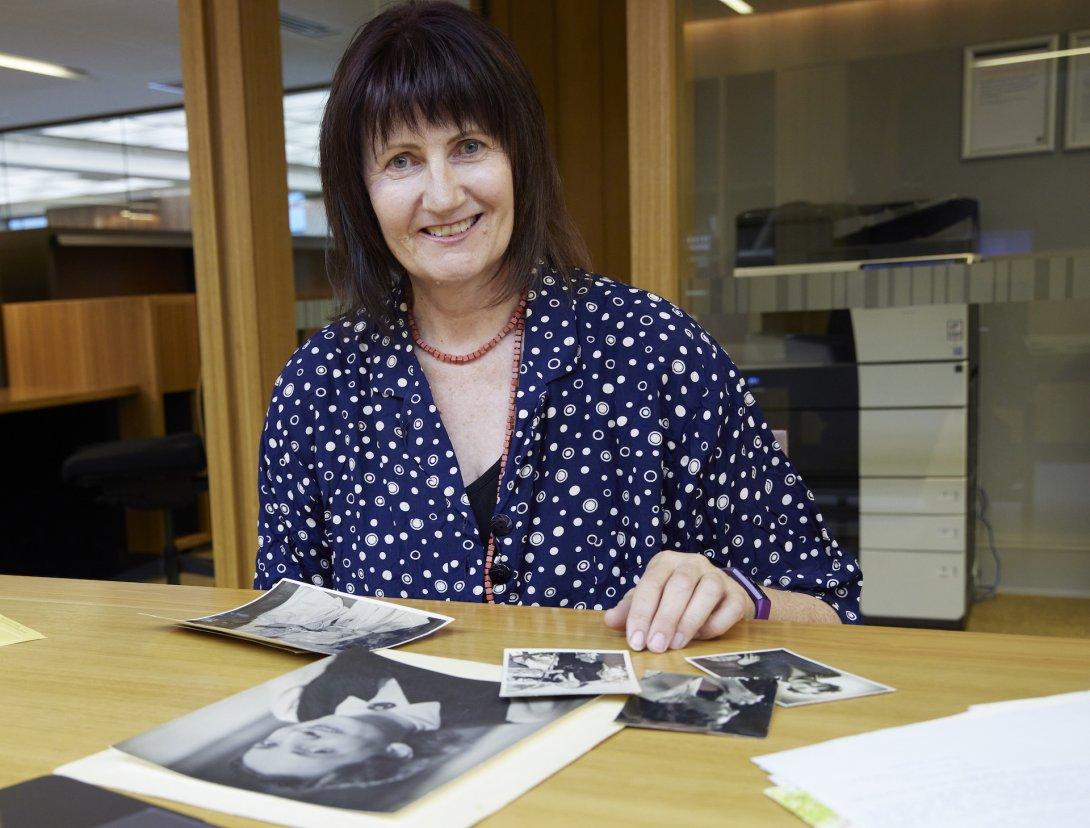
{"points": [[443, 192]]}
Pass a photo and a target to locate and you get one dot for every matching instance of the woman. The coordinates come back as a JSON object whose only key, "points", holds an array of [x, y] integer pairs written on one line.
{"points": [[354, 714], [488, 421], [795, 675], [365, 721]]}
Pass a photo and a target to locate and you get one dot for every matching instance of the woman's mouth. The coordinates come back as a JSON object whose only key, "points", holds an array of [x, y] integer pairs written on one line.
{"points": [[452, 232]]}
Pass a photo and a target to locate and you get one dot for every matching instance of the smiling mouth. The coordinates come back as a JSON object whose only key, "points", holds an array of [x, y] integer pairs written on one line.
{"points": [[446, 231]]}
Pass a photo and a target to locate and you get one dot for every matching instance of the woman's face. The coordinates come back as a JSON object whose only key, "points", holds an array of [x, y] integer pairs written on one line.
{"points": [[445, 202], [809, 685], [312, 749]]}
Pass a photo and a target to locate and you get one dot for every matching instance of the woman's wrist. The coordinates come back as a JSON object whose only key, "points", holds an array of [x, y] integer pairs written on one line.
{"points": [[757, 604]]}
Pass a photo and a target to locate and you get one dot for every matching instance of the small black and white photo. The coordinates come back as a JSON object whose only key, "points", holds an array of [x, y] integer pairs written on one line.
{"points": [[702, 704], [301, 616], [357, 730], [801, 680], [547, 672]]}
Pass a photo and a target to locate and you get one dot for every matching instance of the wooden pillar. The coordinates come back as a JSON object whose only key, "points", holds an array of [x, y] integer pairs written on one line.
{"points": [[231, 72], [653, 123]]}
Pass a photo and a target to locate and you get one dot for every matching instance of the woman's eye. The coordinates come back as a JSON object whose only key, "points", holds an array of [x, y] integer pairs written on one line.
{"points": [[472, 147], [399, 162]]}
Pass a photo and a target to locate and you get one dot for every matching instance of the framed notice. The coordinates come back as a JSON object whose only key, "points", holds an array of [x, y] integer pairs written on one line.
{"points": [[1078, 93], [1009, 98]]}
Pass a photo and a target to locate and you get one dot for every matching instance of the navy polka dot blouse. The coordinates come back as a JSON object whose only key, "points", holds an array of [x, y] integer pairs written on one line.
{"points": [[635, 433]]}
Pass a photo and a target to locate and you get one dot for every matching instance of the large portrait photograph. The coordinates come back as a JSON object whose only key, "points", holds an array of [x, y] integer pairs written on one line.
{"points": [[299, 616], [357, 730]]}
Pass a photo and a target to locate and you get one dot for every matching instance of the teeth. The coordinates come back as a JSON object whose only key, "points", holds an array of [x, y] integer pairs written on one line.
{"points": [[450, 229]]}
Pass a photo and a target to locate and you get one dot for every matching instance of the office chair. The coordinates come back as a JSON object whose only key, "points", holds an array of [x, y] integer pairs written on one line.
{"points": [[154, 473]]}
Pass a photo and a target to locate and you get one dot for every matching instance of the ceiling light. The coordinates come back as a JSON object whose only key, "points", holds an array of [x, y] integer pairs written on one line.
{"points": [[170, 88], [306, 28], [40, 67], [1028, 57], [740, 6]]}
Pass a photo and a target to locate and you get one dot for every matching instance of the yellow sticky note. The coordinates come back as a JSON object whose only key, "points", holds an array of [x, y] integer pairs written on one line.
{"points": [[805, 807], [12, 632]]}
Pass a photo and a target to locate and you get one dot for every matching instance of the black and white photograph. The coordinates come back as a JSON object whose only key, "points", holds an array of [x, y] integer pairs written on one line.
{"points": [[801, 680], [701, 704], [357, 730], [545, 672], [300, 616]]}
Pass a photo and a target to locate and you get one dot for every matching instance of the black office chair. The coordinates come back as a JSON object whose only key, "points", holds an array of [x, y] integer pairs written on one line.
{"points": [[155, 473]]}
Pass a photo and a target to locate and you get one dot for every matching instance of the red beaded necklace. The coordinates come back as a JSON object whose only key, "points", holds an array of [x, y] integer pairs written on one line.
{"points": [[516, 323]]}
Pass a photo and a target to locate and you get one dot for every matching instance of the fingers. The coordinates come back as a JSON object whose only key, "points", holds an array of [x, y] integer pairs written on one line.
{"points": [[706, 598], [645, 601], [672, 605], [727, 614], [680, 597], [616, 617]]}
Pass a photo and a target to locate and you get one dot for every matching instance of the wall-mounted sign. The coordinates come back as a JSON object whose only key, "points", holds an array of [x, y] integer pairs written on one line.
{"points": [[1009, 105]]}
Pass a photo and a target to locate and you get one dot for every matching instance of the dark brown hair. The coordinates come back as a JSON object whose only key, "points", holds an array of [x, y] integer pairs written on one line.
{"points": [[440, 64]]}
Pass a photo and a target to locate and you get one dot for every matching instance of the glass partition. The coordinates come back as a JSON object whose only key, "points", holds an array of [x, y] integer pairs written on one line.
{"points": [[841, 158]]}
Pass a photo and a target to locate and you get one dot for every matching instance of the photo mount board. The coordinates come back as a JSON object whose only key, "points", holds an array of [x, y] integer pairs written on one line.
{"points": [[464, 801]]}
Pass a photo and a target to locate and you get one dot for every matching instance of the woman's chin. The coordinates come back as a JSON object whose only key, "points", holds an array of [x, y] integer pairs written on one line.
{"points": [[458, 276]]}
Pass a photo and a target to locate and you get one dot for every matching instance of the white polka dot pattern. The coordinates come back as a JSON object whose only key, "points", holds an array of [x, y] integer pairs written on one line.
{"points": [[634, 433]]}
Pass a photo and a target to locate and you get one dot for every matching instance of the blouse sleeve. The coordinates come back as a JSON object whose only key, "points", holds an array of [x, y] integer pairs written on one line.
{"points": [[747, 506], [291, 525]]}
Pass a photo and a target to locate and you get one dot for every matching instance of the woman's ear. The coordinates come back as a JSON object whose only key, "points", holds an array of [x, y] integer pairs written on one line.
{"points": [[399, 750]]}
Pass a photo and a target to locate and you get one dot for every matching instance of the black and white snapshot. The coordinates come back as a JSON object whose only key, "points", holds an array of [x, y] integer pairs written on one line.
{"points": [[356, 730], [301, 616], [546, 672], [801, 680], [701, 704]]}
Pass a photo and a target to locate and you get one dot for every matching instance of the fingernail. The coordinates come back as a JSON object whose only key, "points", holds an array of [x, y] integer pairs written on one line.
{"points": [[678, 642], [635, 641], [658, 643]]}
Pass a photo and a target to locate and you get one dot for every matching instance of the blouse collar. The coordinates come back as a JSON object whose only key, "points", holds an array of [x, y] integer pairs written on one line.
{"points": [[551, 343]]}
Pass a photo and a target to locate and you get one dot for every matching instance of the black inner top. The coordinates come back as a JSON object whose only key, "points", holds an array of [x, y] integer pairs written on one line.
{"points": [[482, 499]]}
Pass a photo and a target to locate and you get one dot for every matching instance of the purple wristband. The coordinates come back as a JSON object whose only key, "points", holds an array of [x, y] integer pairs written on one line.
{"points": [[762, 604]]}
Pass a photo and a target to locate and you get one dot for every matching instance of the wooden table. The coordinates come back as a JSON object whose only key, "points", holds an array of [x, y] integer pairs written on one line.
{"points": [[105, 672]]}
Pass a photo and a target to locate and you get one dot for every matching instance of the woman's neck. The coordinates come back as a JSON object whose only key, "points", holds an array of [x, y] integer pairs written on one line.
{"points": [[459, 318]]}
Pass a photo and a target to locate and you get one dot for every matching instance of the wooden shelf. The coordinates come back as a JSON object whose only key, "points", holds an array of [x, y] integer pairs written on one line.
{"points": [[34, 399], [90, 237]]}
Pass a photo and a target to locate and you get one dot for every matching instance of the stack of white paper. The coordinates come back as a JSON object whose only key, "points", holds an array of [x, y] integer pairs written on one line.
{"points": [[1024, 762]]}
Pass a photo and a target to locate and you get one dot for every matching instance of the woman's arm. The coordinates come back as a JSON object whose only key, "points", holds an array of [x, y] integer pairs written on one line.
{"points": [[737, 502], [798, 606], [291, 523]]}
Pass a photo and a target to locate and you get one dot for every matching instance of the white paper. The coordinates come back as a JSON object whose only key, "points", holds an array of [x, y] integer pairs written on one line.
{"points": [[1018, 764], [462, 802]]}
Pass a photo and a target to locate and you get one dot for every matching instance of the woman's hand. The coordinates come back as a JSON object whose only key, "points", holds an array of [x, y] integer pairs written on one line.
{"points": [[681, 596]]}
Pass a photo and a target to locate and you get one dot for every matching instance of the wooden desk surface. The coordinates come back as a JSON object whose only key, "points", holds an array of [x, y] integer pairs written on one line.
{"points": [[33, 399], [105, 672]]}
